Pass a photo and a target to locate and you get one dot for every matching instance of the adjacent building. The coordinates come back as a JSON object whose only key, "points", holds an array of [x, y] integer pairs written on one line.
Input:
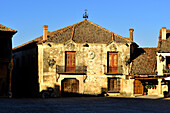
{"points": [[6, 62], [144, 71], [150, 67], [163, 56]]}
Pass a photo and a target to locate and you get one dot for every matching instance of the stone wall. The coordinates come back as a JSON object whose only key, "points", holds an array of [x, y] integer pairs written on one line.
{"points": [[95, 81], [161, 64]]}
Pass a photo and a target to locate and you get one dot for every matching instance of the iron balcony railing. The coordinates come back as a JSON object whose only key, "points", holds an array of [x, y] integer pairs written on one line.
{"points": [[113, 70], [71, 70]]}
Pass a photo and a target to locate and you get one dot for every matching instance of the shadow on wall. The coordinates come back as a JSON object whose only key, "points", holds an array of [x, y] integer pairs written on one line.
{"points": [[71, 94], [55, 92], [2, 88], [25, 83], [51, 92]]}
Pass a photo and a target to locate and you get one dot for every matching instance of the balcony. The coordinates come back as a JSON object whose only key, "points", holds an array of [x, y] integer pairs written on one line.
{"points": [[113, 70], [77, 70]]}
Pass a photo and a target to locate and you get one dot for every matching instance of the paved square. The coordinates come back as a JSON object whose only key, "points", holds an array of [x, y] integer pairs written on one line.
{"points": [[84, 104]]}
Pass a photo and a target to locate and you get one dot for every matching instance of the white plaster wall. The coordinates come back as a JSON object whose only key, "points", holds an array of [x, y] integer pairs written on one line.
{"points": [[161, 64]]}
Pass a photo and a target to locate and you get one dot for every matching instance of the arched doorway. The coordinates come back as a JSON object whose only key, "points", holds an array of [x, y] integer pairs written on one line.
{"points": [[70, 87]]}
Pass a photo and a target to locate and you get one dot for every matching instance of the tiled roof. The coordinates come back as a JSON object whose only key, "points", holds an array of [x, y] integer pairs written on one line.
{"points": [[164, 45], [145, 61], [4, 28], [82, 32], [85, 31]]}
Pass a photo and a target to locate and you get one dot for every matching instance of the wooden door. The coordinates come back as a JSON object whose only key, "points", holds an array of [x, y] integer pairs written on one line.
{"points": [[70, 86], [138, 87], [70, 61], [113, 62]]}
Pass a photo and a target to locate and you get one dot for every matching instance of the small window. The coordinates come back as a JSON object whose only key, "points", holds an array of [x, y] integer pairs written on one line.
{"points": [[113, 84]]}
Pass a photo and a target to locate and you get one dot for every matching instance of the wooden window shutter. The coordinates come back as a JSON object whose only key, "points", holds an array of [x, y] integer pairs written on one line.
{"points": [[70, 61], [113, 62]]}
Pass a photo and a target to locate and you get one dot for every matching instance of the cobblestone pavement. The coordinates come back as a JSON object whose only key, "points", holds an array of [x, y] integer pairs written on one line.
{"points": [[84, 104]]}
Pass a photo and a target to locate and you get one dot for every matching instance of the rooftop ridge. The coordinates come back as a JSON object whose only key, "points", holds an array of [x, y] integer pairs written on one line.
{"points": [[62, 30], [7, 28], [149, 47], [126, 38]]}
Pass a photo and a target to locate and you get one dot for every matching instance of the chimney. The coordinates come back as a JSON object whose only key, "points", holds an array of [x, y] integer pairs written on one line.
{"points": [[45, 32], [163, 33], [131, 33]]}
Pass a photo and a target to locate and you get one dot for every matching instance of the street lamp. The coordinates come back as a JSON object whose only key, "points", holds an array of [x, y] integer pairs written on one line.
{"points": [[161, 58]]}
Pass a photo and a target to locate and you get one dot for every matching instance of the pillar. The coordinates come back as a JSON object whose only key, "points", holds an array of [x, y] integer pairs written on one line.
{"points": [[132, 86], [160, 87], [40, 65]]}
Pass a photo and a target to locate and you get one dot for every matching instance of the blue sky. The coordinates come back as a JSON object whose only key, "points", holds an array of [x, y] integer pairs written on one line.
{"points": [[147, 17]]}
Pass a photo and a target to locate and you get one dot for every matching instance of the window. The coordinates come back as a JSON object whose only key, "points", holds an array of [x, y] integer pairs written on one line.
{"points": [[112, 62], [70, 61], [113, 84], [168, 62]]}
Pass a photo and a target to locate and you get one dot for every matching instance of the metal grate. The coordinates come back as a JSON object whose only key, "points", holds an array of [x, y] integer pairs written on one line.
{"points": [[76, 69], [113, 70]]}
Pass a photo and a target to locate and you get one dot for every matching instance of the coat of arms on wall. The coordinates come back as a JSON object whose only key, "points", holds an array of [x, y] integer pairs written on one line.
{"points": [[91, 54], [113, 47], [70, 46]]}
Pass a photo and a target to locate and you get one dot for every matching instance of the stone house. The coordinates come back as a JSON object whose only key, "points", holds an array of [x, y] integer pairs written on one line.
{"points": [[6, 35], [83, 58]]}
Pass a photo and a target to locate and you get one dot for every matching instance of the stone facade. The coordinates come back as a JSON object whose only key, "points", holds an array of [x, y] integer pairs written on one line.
{"points": [[91, 45], [95, 80]]}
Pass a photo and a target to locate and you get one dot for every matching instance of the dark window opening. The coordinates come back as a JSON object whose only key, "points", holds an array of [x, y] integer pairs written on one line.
{"points": [[86, 45], [113, 85], [168, 62], [167, 35]]}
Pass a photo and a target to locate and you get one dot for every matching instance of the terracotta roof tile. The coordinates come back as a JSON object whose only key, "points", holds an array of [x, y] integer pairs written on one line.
{"points": [[164, 45], [145, 61], [4, 28], [84, 31]]}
